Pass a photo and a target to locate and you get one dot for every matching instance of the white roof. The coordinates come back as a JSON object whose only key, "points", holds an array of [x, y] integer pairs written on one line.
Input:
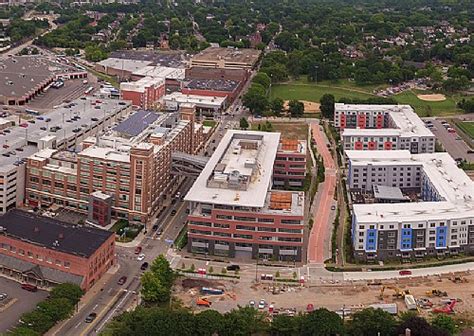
{"points": [[451, 182], [368, 132], [407, 122], [141, 84], [180, 98], [105, 153], [124, 64], [256, 193], [160, 71]]}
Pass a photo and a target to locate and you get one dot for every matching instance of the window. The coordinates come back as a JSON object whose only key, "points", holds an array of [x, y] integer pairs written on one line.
{"points": [[67, 264]]}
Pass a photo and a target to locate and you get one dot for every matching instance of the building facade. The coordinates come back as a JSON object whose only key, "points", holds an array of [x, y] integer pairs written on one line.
{"points": [[382, 127], [145, 92], [45, 252], [233, 211], [289, 169], [134, 170], [440, 222]]}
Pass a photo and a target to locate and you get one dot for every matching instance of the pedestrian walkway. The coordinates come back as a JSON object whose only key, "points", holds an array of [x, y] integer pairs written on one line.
{"points": [[321, 216]]}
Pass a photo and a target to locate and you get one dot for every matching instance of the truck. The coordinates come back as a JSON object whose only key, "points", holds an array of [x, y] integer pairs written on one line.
{"points": [[212, 291], [410, 302]]}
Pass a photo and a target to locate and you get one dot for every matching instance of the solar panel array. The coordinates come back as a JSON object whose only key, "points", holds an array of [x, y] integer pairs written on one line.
{"points": [[137, 122]]}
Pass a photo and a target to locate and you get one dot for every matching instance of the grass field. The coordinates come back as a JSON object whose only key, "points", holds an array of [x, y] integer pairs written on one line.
{"points": [[467, 127], [289, 130], [303, 90]]}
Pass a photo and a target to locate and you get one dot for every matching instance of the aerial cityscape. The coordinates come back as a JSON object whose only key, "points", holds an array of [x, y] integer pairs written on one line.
{"points": [[237, 167]]}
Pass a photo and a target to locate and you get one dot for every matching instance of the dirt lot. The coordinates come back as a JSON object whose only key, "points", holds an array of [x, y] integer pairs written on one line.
{"points": [[432, 97], [309, 106], [289, 130], [354, 296]]}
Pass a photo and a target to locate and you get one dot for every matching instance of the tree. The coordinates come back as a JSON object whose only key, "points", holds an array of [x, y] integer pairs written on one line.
{"points": [[208, 322], [244, 123], [69, 291], [161, 268], [153, 289], [276, 106], [371, 322], [296, 108], [321, 322], [244, 321], [445, 323], [263, 79], [57, 309], [327, 105], [94, 53], [419, 327], [255, 101], [37, 321], [283, 325]]}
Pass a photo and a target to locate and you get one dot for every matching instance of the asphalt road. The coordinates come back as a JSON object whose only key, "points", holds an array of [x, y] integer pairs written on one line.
{"points": [[25, 302], [453, 144]]}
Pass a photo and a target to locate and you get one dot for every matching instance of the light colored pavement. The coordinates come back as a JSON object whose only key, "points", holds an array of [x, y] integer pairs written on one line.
{"points": [[25, 302], [453, 144], [321, 224]]}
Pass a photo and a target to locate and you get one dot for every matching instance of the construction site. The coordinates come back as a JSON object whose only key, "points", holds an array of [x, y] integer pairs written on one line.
{"points": [[447, 294]]}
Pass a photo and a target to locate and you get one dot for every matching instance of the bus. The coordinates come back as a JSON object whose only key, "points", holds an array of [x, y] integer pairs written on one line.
{"points": [[89, 90], [33, 112]]}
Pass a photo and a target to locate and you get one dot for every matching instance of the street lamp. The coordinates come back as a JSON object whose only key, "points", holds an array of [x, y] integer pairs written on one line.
{"points": [[316, 67]]}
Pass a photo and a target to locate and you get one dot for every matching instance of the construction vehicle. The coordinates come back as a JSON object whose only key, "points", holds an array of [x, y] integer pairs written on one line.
{"points": [[203, 302], [458, 279], [399, 293], [436, 292], [447, 309]]}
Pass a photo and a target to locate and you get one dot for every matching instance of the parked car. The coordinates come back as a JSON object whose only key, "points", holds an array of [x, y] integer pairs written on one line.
{"points": [[3, 296], [252, 304], [144, 266], [233, 267], [29, 287], [122, 280], [90, 318], [261, 304], [138, 250], [141, 257], [405, 272]]}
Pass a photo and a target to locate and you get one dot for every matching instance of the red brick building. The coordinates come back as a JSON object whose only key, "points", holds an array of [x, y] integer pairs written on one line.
{"points": [[289, 169], [45, 252], [213, 88], [145, 92]]}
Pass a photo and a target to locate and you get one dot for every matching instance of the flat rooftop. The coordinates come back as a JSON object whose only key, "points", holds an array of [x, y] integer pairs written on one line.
{"points": [[229, 55], [200, 101], [141, 84], [53, 234], [226, 85], [22, 74], [27, 138], [124, 64], [172, 59], [136, 123], [161, 72], [452, 184], [406, 121], [239, 172]]}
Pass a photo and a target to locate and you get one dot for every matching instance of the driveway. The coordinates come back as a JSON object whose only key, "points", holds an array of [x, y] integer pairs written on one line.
{"points": [[25, 302]]}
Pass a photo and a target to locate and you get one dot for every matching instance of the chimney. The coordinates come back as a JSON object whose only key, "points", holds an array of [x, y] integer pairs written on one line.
{"points": [[407, 332]]}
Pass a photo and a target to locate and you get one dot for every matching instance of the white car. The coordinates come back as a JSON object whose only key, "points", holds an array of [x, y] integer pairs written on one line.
{"points": [[252, 303], [141, 257], [3, 296], [261, 304]]}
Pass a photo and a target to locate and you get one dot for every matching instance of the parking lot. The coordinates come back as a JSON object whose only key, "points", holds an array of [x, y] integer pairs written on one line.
{"points": [[452, 142], [19, 301]]}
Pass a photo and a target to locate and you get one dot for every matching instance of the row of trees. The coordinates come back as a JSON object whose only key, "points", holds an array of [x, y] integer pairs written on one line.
{"points": [[60, 305], [249, 321]]}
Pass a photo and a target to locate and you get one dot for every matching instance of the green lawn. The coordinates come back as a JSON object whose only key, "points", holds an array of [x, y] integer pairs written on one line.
{"points": [[467, 127], [312, 92], [209, 123], [289, 130], [442, 108], [304, 90]]}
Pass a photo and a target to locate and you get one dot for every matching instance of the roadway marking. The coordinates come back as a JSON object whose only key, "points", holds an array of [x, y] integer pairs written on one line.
{"points": [[77, 325], [111, 314], [99, 315]]}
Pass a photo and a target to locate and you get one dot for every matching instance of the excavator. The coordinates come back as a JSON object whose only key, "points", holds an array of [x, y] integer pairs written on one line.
{"points": [[399, 293], [436, 292], [447, 309]]}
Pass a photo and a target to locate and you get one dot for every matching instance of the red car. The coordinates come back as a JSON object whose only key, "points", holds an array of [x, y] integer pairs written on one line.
{"points": [[24, 125], [138, 250], [404, 272], [30, 288]]}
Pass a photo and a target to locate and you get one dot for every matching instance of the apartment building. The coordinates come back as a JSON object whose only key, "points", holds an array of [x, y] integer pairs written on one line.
{"points": [[382, 127], [46, 252], [439, 223], [289, 169], [126, 173], [63, 128], [233, 210], [145, 92]]}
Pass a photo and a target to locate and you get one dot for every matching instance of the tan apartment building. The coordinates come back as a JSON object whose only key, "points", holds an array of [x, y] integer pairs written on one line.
{"points": [[124, 174]]}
